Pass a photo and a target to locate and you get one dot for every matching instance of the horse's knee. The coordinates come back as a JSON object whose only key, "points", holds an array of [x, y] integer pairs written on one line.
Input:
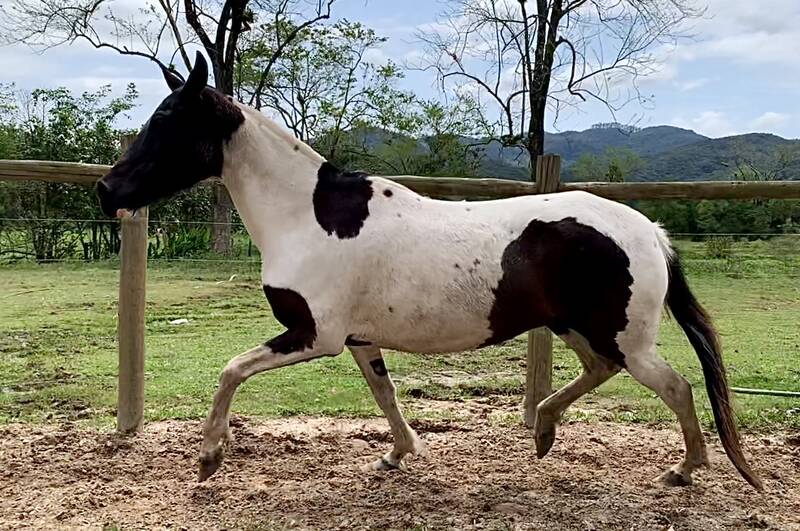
{"points": [[231, 375]]}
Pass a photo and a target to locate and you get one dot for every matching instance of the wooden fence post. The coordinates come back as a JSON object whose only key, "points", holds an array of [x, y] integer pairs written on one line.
{"points": [[130, 326], [539, 368]]}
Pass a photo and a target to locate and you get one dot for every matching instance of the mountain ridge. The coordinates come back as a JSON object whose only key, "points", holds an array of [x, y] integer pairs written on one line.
{"points": [[668, 153]]}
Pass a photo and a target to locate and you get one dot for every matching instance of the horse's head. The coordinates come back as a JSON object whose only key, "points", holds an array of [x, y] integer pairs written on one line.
{"points": [[180, 145]]}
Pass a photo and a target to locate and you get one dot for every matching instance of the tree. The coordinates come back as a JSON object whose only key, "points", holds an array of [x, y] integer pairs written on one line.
{"points": [[216, 25], [614, 165], [53, 124], [324, 85], [524, 58]]}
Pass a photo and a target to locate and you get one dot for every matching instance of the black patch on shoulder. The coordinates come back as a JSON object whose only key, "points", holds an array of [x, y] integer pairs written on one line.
{"points": [[341, 200], [292, 311], [353, 342], [563, 275], [378, 367]]}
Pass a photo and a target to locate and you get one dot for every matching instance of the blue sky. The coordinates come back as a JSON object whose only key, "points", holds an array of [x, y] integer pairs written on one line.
{"points": [[740, 73]]}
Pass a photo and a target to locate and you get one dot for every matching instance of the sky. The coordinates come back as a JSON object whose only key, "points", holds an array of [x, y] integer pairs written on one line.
{"points": [[740, 71]]}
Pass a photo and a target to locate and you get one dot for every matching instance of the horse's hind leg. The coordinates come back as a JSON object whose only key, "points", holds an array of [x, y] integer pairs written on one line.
{"points": [[596, 370], [653, 372], [370, 361]]}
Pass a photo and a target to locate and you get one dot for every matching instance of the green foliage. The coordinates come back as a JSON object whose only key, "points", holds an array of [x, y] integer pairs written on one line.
{"points": [[324, 84], [179, 242], [719, 247], [53, 124], [615, 164]]}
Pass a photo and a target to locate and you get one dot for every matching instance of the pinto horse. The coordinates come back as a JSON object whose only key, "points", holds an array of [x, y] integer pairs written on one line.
{"points": [[351, 260]]}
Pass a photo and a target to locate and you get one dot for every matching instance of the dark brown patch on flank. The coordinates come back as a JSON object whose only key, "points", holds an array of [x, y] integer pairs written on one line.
{"points": [[292, 311], [566, 276], [388, 193]]}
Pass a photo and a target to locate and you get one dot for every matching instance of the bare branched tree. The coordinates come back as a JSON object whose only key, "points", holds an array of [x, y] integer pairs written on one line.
{"points": [[160, 32], [521, 58]]}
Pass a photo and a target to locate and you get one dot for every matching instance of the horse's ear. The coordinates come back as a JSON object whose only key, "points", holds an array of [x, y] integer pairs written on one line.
{"points": [[173, 79], [198, 78]]}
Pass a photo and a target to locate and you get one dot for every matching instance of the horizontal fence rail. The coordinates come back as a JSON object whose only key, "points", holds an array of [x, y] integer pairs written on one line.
{"points": [[467, 188], [54, 172], [460, 188]]}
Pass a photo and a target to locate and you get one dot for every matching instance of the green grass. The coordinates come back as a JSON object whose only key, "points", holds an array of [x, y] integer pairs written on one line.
{"points": [[58, 354]]}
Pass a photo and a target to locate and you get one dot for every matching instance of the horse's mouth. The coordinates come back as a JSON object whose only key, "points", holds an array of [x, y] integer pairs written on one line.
{"points": [[126, 213]]}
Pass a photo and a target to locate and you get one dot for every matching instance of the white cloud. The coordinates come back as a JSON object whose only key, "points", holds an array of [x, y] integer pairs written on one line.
{"points": [[769, 121], [709, 123], [691, 84], [747, 32]]}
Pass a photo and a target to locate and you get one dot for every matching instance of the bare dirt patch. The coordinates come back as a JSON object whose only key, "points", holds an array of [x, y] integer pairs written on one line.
{"points": [[303, 473]]}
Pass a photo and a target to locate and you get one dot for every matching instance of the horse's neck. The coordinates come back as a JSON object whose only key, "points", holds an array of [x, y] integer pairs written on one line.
{"points": [[271, 178]]}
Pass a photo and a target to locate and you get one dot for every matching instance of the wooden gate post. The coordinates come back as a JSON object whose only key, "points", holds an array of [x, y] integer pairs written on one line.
{"points": [[539, 368], [130, 326]]}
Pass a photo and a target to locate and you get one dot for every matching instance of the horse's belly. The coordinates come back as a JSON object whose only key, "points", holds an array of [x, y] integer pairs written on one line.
{"points": [[430, 321], [434, 336]]}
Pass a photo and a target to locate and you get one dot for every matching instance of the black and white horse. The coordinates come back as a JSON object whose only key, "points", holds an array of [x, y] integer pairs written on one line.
{"points": [[363, 262]]}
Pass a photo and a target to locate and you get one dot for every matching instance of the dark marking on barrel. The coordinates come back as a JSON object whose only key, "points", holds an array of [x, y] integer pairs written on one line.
{"points": [[567, 276]]}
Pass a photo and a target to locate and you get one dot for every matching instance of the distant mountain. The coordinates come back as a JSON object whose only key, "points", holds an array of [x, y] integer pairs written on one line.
{"points": [[511, 163], [668, 153], [715, 158]]}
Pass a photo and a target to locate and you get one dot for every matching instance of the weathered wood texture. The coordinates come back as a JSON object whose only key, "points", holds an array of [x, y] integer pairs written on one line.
{"points": [[57, 172], [461, 188], [539, 366], [130, 326], [691, 190]]}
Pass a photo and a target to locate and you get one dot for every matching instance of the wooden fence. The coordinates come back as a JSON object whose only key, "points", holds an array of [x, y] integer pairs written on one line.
{"points": [[133, 259]]}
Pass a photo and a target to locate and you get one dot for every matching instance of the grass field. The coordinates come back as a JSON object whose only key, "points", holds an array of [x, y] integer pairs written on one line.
{"points": [[58, 354]]}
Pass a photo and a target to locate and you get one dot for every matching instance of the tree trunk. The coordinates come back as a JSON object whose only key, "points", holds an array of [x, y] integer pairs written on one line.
{"points": [[221, 240], [546, 33]]}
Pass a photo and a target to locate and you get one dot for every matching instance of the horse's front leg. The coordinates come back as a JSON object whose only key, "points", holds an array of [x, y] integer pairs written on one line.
{"points": [[406, 441], [285, 349]]}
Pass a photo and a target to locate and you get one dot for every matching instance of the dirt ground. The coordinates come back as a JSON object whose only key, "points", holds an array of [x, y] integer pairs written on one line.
{"points": [[302, 473]]}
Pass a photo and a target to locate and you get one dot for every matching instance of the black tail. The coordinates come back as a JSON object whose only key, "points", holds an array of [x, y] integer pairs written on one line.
{"points": [[697, 326]]}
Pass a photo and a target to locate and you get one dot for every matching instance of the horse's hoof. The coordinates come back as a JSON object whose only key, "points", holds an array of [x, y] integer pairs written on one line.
{"points": [[545, 438], [672, 478], [209, 463], [383, 465]]}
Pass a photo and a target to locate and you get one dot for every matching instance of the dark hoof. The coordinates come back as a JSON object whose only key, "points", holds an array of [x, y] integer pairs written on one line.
{"points": [[209, 463], [671, 478], [544, 440]]}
